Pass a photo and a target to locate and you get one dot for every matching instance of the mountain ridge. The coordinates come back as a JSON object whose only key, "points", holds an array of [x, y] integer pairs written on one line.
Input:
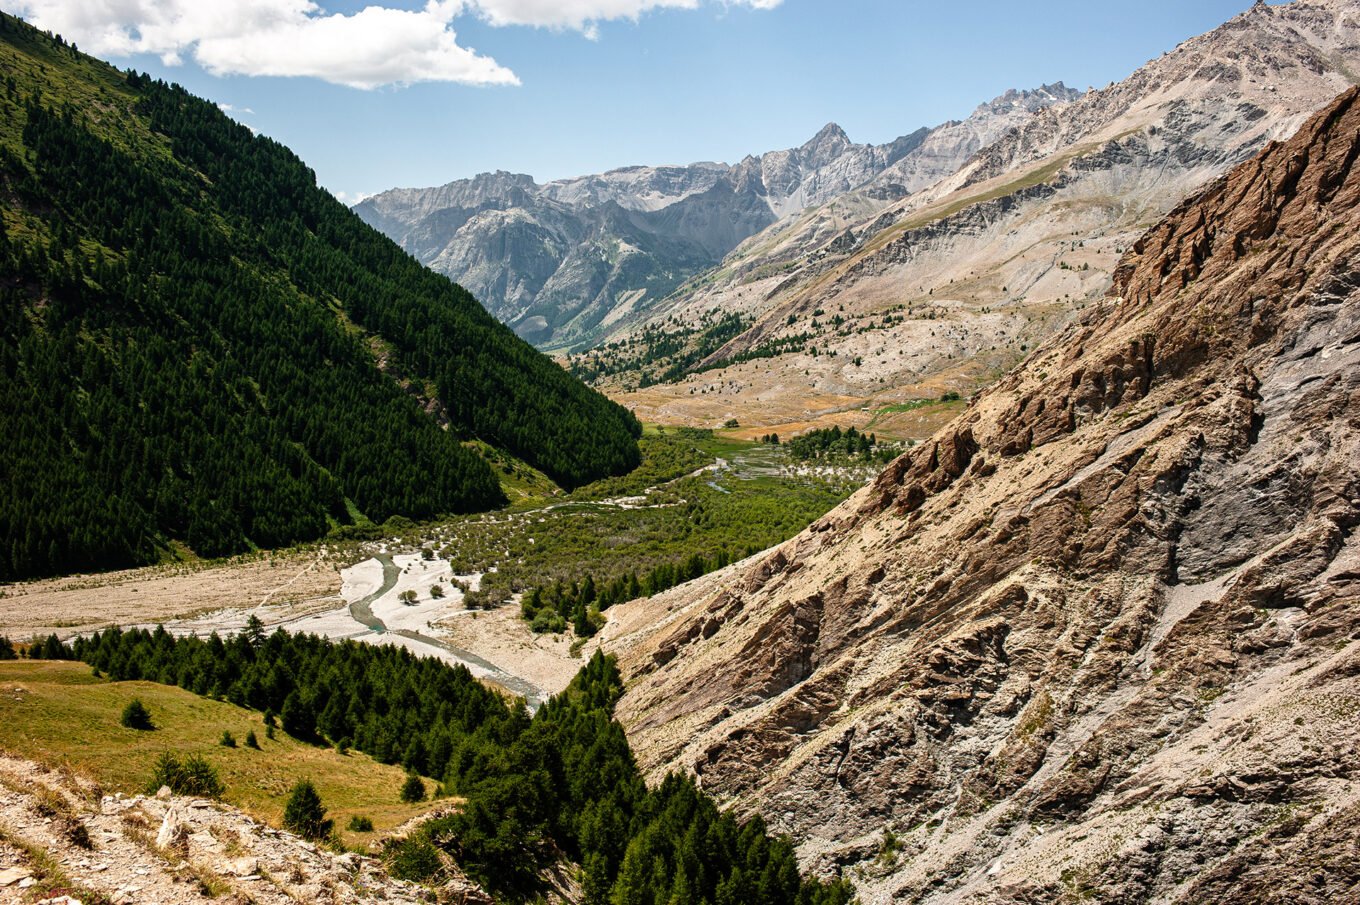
{"points": [[1098, 636], [559, 263], [945, 288]]}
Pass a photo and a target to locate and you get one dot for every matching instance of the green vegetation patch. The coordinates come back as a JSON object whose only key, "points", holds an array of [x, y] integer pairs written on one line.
{"points": [[57, 712]]}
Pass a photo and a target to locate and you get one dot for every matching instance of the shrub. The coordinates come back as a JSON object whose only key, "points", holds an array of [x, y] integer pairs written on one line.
{"points": [[413, 789], [7, 649], [437, 591], [192, 776], [548, 621], [136, 716], [228, 740], [252, 741], [359, 824], [412, 859], [304, 814]]}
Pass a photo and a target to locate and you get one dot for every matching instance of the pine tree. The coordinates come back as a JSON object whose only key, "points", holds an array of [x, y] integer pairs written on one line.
{"points": [[136, 716], [413, 789], [304, 814]]}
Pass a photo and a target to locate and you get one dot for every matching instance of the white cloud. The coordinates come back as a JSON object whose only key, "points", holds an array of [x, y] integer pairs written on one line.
{"points": [[584, 15], [374, 47], [350, 199]]}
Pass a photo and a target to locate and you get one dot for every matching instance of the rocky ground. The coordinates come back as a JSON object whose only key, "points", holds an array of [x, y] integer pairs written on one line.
{"points": [[286, 584], [1100, 639], [64, 840]]}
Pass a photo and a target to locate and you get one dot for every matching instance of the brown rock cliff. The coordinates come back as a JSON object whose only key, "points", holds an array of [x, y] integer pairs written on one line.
{"points": [[1100, 638]]}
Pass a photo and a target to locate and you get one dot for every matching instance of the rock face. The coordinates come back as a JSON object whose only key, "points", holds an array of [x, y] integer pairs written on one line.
{"points": [[109, 850], [563, 262], [1098, 640], [949, 284]]}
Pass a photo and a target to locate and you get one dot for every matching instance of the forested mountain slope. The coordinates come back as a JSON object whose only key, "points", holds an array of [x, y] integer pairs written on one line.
{"points": [[1099, 639], [199, 345]]}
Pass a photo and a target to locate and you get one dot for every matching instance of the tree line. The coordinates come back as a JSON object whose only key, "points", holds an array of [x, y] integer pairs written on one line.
{"points": [[580, 604], [562, 784]]}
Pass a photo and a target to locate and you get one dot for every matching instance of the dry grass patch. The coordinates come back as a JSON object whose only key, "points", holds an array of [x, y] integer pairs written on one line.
{"points": [[65, 716]]}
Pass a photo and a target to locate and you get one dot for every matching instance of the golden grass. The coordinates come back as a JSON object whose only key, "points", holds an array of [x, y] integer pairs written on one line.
{"points": [[59, 713]]}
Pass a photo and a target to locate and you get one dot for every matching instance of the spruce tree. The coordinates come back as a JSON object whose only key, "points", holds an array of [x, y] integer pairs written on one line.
{"points": [[136, 716], [304, 814]]}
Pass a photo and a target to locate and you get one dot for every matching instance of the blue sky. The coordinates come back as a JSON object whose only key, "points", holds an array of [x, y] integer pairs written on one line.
{"points": [[673, 85]]}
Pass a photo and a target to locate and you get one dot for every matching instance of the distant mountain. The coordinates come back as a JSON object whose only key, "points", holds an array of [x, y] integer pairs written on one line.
{"points": [[563, 261], [880, 296], [201, 347]]}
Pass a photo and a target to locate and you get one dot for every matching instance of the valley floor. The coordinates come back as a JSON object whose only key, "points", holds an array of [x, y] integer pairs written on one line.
{"points": [[462, 579]]}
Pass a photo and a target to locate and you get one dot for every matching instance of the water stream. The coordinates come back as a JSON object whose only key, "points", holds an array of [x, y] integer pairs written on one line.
{"points": [[361, 611]]}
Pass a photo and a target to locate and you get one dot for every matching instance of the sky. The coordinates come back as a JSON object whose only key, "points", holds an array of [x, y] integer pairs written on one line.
{"points": [[375, 94]]}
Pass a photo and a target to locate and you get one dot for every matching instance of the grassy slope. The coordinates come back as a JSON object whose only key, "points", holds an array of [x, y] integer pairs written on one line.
{"points": [[58, 712]]}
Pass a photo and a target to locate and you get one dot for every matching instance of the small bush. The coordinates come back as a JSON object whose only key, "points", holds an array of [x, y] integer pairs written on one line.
{"points": [[269, 732], [304, 814], [7, 649], [412, 859], [192, 776], [413, 789], [136, 716], [359, 824], [227, 740], [548, 621], [252, 741], [437, 591]]}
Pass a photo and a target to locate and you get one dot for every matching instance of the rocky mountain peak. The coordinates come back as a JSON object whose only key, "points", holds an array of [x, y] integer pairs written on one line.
{"points": [[1029, 99], [828, 144]]}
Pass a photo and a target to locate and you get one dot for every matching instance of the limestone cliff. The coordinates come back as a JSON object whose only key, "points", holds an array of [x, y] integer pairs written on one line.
{"points": [[1099, 640]]}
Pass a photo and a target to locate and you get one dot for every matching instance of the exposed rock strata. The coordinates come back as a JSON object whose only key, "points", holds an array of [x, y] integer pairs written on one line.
{"points": [[1099, 639]]}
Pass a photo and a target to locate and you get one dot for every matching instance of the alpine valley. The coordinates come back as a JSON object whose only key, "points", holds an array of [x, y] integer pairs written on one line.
{"points": [[964, 519]]}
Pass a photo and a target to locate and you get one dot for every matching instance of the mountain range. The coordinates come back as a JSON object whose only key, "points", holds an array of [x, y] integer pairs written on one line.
{"points": [[873, 302], [563, 261]]}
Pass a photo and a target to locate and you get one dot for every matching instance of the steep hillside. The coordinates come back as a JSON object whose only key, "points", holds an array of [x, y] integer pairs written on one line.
{"points": [[566, 262], [947, 287], [1099, 639], [199, 345]]}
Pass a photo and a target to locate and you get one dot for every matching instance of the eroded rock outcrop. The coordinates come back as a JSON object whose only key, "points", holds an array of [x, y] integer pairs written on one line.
{"points": [[1099, 639]]}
